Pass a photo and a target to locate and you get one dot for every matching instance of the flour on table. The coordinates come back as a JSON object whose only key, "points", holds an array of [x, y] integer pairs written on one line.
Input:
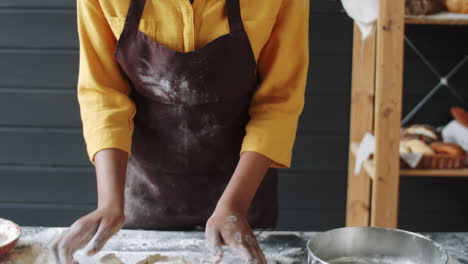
{"points": [[43, 238], [151, 259], [35, 254], [161, 259], [27, 255]]}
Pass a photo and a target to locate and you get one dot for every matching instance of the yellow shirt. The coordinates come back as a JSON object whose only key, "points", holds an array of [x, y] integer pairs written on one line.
{"points": [[278, 32]]}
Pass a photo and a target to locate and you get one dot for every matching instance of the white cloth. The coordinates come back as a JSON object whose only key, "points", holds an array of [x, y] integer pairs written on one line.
{"points": [[456, 133], [365, 150], [364, 13], [412, 159]]}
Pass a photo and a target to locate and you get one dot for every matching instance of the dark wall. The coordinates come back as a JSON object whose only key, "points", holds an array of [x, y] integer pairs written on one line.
{"points": [[46, 179]]}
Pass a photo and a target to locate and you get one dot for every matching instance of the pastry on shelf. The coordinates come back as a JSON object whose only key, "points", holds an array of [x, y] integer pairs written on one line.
{"points": [[447, 148], [457, 6], [425, 133], [424, 7], [456, 131], [416, 146], [459, 113], [404, 148]]}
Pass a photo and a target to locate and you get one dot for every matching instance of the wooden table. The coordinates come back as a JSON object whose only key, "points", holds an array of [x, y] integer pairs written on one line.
{"points": [[278, 246]]}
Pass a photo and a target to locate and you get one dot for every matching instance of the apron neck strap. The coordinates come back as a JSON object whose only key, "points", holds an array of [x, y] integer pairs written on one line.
{"points": [[234, 15], [135, 11]]}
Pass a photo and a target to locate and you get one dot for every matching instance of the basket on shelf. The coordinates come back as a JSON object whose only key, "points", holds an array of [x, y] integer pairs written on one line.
{"points": [[438, 161]]}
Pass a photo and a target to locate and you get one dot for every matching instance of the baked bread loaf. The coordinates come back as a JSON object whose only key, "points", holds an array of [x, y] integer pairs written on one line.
{"points": [[416, 146], [425, 133], [404, 148], [447, 148], [460, 114], [457, 6], [423, 7]]}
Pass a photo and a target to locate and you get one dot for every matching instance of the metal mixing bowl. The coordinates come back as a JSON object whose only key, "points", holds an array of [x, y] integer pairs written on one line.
{"points": [[373, 245]]}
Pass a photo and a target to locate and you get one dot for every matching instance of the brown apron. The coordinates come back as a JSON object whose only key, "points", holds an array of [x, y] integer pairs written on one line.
{"points": [[192, 109]]}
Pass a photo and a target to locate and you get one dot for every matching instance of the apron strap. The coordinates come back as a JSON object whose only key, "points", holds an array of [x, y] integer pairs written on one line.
{"points": [[135, 11], [234, 15]]}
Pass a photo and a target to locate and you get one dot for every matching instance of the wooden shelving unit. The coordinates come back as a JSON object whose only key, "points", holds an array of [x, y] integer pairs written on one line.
{"points": [[376, 102]]}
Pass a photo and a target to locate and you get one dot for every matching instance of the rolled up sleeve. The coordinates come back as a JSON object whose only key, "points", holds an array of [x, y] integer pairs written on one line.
{"points": [[279, 100], [105, 107]]}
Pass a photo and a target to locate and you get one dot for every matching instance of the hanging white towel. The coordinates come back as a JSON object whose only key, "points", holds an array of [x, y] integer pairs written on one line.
{"points": [[364, 13]]}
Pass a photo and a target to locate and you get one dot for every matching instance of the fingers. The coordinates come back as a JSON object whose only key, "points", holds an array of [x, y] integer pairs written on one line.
{"points": [[250, 256], [214, 242], [245, 250], [54, 245], [97, 243], [76, 237], [107, 228], [234, 230], [262, 259], [252, 241]]}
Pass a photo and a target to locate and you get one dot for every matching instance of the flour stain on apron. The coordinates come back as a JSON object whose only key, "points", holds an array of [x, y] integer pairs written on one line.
{"points": [[190, 139], [172, 89]]}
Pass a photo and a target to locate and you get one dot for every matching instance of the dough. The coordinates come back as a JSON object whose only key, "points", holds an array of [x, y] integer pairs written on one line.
{"points": [[33, 254], [110, 259], [161, 259], [151, 259]]}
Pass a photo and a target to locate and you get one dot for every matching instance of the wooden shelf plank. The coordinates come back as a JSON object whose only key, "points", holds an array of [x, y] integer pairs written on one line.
{"points": [[435, 173], [443, 18], [369, 167]]}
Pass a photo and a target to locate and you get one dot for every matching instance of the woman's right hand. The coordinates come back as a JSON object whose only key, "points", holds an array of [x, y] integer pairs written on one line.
{"points": [[97, 227], [91, 231]]}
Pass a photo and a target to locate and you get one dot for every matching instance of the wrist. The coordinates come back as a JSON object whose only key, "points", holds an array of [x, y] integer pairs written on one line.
{"points": [[111, 203], [232, 205], [111, 166]]}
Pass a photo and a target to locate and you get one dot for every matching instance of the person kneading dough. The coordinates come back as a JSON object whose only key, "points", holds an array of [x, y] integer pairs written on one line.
{"points": [[187, 110]]}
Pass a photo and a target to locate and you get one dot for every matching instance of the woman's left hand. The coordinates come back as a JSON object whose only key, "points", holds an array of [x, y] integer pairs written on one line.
{"points": [[230, 227]]}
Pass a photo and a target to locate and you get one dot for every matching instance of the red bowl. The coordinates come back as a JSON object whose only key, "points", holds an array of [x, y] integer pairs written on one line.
{"points": [[12, 232]]}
